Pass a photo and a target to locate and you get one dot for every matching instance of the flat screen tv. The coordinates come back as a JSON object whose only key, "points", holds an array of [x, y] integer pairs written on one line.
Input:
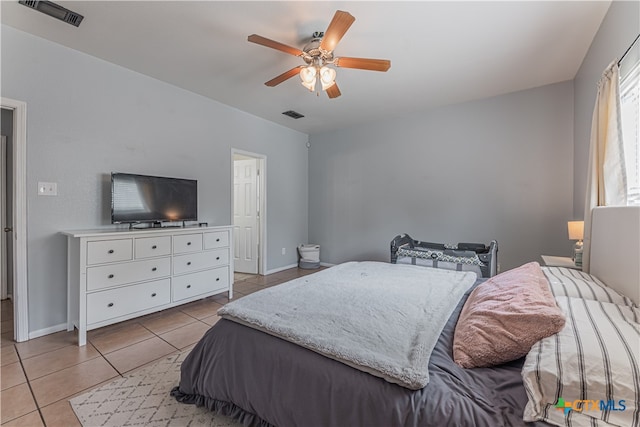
{"points": [[142, 198]]}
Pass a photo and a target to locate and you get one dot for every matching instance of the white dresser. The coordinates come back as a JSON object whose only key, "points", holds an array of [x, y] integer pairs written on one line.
{"points": [[117, 275]]}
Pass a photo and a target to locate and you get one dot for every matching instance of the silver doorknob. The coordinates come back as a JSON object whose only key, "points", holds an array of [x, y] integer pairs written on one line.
{"points": [[8, 229]]}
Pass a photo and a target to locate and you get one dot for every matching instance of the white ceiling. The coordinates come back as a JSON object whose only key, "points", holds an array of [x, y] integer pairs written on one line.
{"points": [[441, 52]]}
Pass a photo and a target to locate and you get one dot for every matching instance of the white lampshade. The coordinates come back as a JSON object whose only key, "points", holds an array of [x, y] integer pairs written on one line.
{"points": [[308, 77], [327, 77], [576, 230]]}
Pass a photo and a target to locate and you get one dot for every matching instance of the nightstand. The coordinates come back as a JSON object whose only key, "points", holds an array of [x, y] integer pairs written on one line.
{"points": [[559, 261]]}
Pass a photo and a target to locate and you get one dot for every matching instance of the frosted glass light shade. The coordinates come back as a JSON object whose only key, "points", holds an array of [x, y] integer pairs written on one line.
{"points": [[308, 77], [327, 77]]}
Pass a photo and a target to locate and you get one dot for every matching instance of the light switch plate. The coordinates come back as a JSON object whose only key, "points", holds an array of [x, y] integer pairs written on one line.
{"points": [[47, 188]]}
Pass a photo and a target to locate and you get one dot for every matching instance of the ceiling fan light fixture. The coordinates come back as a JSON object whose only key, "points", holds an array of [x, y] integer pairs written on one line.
{"points": [[319, 58], [327, 77]]}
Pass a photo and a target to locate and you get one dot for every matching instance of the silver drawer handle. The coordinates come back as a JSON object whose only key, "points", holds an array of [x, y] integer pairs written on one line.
{"points": [[217, 279], [189, 263], [188, 243], [154, 247], [153, 294], [111, 276], [110, 304], [217, 258], [217, 240], [154, 269], [188, 286], [111, 251]]}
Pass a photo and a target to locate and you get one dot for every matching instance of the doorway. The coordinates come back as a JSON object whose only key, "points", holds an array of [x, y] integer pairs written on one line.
{"points": [[14, 232], [6, 251], [248, 213]]}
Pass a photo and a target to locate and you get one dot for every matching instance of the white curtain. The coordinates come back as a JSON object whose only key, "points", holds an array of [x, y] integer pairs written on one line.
{"points": [[606, 178]]}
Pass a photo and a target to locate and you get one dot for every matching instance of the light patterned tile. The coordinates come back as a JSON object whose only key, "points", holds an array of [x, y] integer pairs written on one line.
{"points": [[16, 402], [121, 337], [45, 344], [60, 414], [32, 419], [162, 322], [6, 339], [64, 383], [11, 375], [221, 299], [139, 354], [8, 355], [258, 280], [47, 363], [6, 326], [201, 309], [211, 320], [6, 310], [187, 335]]}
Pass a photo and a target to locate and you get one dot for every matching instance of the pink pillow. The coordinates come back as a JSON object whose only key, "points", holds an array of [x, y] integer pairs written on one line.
{"points": [[504, 317]]}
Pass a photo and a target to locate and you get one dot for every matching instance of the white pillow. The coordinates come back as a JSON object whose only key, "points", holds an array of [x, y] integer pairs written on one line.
{"points": [[578, 284], [595, 358]]}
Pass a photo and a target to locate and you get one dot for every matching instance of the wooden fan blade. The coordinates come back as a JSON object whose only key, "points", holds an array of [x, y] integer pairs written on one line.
{"points": [[333, 91], [363, 63], [254, 38], [337, 28], [284, 76]]}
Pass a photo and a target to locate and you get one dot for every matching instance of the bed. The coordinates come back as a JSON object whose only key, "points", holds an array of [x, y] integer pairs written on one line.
{"points": [[262, 379]]}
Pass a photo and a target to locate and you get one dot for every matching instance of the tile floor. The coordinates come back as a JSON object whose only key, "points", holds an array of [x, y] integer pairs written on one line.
{"points": [[39, 376]]}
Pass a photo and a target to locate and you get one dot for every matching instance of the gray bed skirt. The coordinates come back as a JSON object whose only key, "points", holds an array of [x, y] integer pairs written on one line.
{"points": [[262, 380]]}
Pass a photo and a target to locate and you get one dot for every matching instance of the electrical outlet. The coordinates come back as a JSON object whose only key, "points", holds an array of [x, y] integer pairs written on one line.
{"points": [[47, 189], [284, 251]]}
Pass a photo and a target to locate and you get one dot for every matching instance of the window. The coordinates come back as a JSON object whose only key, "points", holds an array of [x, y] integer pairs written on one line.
{"points": [[630, 109]]}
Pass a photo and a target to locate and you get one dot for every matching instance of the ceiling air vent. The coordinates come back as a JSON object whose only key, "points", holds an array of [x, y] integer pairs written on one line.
{"points": [[293, 114], [52, 9]]}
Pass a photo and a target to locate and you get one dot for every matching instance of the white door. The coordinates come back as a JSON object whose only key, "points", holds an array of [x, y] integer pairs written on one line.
{"points": [[245, 216]]}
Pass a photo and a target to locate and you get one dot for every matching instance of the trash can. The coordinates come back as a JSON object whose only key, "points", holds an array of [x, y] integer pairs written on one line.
{"points": [[309, 256]]}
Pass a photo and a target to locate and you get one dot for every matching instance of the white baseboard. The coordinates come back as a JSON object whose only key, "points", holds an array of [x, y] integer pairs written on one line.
{"points": [[47, 331], [279, 269]]}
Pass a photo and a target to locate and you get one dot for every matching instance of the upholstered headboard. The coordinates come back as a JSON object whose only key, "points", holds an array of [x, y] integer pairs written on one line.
{"points": [[615, 248]]}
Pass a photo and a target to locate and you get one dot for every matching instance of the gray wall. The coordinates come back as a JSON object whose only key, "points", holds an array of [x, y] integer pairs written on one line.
{"points": [[499, 168], [619, 28], [87, 117]]}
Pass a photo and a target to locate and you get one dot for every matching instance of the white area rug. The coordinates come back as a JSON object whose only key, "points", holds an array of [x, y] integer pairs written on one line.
{"points": [[142, 399]]}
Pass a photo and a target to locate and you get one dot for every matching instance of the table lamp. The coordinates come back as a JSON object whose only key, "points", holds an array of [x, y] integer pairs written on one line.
{"points": [[576, 232]]}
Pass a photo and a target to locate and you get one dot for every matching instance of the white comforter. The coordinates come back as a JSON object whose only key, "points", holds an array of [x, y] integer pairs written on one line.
{"points": [[381, 318]]}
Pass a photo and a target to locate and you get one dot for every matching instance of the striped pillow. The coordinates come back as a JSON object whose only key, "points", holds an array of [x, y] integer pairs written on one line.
{"points": [[588, 374], [575, 283]]}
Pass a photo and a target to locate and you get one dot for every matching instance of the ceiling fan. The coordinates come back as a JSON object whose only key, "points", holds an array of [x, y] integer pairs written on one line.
{"points": [[318, 55]]}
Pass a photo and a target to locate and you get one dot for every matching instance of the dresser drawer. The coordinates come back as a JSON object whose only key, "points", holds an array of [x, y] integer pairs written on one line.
{"points": [[118, 302], [148, 247], [203, 282], [187, 243], [200, 261], [217, 239], [109, 251], [106, 276]]}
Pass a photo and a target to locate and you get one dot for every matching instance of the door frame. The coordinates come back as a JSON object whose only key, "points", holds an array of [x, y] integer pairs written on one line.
{"points": [[20, 290], [262, 221]]}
